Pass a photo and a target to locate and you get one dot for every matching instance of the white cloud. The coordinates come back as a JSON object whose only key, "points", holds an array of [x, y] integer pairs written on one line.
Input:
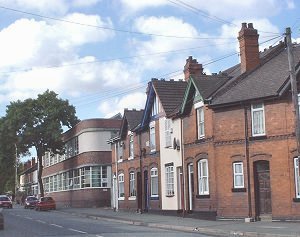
{"points": [[53, 7], [266, 31], [132, 6], [133, 101], [85, 3]]}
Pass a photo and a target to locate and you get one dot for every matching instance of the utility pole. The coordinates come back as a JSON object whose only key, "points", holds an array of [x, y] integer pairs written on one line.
{"points": [[16, 171], [293, 86]]}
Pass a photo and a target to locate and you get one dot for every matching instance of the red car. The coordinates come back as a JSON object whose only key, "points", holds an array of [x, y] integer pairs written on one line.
{"points": [[45, 203], [5, 201]]}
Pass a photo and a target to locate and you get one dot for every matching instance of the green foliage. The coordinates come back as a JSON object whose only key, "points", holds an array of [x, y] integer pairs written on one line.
{"points": [[39, 123]]}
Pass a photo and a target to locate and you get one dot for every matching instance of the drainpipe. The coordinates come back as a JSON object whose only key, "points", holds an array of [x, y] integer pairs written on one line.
{"points": [[116, 194], [183, 196], [141, 173], [248, 163]]}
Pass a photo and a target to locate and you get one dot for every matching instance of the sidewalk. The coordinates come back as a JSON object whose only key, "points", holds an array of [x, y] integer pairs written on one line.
{"points": [[216, 228]]}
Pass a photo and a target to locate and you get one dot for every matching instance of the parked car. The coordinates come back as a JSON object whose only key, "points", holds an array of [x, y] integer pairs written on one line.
{"points": [[30, 202], [5, 201], [45, 203]]}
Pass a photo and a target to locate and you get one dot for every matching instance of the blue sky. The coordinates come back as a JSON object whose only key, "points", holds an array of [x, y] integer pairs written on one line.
{"points": [[99, 54]]}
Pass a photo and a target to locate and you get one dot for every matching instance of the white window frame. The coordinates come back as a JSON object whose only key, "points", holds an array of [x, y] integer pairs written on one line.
{"points": [[237, 174], [153, 181], [132, 189], [199, 107], [121, 184], [297, 178], [131, 146], [168, 132], [152, 136], [169, 172], [203, 180], [256, 131], [155, 106]]}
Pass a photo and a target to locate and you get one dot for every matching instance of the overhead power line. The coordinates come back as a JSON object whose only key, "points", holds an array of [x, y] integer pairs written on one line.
{"points": [[110, 28]]}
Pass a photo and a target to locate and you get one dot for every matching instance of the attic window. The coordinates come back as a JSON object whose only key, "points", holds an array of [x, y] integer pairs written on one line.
{"points": [[155, 107]]}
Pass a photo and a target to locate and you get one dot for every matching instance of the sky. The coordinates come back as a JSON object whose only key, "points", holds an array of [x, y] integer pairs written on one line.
{"points": [[100, 54]]}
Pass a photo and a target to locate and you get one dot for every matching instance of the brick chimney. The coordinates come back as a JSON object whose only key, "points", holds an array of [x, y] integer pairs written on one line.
{"points": [[192, 68], [249, 50]]}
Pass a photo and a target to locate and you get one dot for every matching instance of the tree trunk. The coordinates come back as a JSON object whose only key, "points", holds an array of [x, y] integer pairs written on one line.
{"points": [[40, 172]]}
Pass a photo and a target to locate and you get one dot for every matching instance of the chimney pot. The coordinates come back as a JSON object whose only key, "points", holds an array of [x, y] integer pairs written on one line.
{"points": [[250, 26], [244, 25]]}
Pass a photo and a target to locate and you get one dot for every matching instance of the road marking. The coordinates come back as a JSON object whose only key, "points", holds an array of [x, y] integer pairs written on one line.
{"points": [[99, 235], [41, 221], [79, 231], [273, 227], [56, 225], [29, 218]]}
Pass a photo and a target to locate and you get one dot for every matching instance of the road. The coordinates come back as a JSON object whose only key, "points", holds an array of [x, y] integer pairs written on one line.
{"points": [[20, 222]]}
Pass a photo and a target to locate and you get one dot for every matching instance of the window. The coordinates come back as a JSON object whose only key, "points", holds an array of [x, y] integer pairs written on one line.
{"points": [[258, 119], [169, 180], [120, 150], [297, 177], [132, 191], [168, 131], [154, 182], [203, 177], [76, 179], [200, 121], [131, 147], [152, 137], [238, 175], [85, 177], [121, 186], [155, 107], [72, 147], [199, 107]]}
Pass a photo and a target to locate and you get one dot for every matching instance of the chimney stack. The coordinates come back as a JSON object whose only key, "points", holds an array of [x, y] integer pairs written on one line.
{"points": [[249, 50], [192, 68]]}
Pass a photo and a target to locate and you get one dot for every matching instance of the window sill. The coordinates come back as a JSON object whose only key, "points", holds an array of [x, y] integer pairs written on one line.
{"points": [[202, 196], [121, 198], [132, 198], [154, 198], [120, 161], [130, 158], [238, 190], [296, 199], [169, 196], [257, 137], [200, 140]]}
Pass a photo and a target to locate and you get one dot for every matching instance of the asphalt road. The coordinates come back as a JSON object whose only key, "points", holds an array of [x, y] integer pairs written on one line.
{"points": [[20, 222]]}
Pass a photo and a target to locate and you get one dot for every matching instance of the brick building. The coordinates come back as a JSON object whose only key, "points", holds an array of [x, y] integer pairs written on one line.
{"points": [[239, 137], [28, 178], [82, 176]]}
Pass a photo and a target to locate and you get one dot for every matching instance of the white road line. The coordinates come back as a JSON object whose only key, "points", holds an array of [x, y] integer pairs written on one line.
{"points": [[56, 225], [273, 227], [79, 231], [41, 221], [29, 218], [99, 236]]}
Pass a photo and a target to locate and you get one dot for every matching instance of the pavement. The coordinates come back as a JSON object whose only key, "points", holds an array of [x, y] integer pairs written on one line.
{"points": [[232, 228]]}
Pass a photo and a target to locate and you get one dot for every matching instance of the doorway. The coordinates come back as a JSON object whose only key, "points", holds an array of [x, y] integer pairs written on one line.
{"points": [[262, 185], [146, 191], [190, 185]]}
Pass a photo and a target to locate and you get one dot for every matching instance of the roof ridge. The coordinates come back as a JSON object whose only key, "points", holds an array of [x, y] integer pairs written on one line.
{"points": [[275, 51]]}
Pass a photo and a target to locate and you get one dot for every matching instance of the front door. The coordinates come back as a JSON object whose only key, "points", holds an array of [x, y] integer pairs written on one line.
{"points": [[139, 191], [191, 185], [262, 188], [146, 195]]}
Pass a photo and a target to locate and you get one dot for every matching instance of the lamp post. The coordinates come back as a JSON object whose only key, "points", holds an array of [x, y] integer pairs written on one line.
{"points": [[16, 170]]}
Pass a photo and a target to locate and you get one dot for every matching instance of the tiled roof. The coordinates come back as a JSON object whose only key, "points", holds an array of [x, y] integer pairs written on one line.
{"points": [[170, 93], [267, 80], [133, 117], [208, 84]]}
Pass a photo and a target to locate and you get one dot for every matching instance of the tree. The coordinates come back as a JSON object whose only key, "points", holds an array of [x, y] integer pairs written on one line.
{"points": [[39, 123]]}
